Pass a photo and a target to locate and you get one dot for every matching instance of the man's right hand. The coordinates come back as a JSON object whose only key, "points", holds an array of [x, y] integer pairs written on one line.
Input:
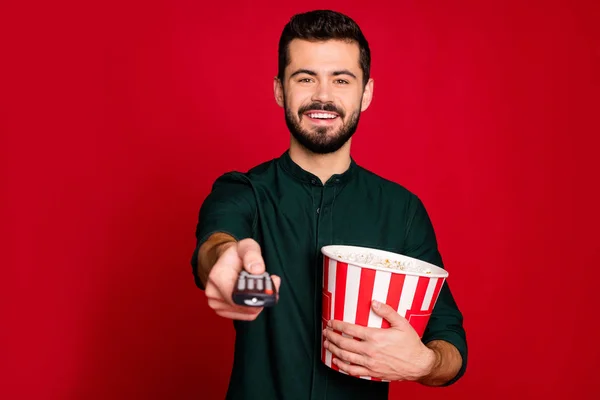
{"points": [[232, 258]]}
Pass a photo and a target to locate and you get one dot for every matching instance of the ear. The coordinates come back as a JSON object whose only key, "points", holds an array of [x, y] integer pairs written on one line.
{"points": [[278, 91], [367, 95]]}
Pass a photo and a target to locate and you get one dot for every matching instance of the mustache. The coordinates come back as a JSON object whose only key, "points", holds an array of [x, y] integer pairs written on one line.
{"points": [[320, 107]]}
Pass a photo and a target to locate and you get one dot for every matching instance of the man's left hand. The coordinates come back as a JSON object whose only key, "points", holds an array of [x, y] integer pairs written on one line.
{"points": [[395, 354]]}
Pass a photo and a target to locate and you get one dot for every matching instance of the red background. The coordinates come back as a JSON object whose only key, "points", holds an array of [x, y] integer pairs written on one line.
{"points": [[117, 117]]}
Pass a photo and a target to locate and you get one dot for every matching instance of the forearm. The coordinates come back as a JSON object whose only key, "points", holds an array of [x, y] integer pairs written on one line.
{"points": [[447, 363], [209, 253]]}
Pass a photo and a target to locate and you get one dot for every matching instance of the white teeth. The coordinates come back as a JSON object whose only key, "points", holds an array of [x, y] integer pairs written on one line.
{"points": [[322, 115]]}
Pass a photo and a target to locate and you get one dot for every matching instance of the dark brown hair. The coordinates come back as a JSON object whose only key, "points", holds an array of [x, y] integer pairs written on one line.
{"points": [[321, 25]]}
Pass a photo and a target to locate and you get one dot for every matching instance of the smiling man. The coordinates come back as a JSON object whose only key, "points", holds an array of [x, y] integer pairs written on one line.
{"points": [[278, 215]]}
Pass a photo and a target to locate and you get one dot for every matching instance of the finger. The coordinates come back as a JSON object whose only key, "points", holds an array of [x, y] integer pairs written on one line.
{"points": [[219, 285], [276, 282], [354, 370], [345, 355], [357, 331], [211, 291], [389, 314], [219, 305], [249, 252], [345, 343], [237, 316]]}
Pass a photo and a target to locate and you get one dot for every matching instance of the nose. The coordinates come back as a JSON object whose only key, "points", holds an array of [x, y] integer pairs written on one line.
{"points": [[322, 93]]}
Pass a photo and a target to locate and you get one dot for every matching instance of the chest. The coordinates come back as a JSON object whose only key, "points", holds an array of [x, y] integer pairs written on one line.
{"points": [[296, 222]]}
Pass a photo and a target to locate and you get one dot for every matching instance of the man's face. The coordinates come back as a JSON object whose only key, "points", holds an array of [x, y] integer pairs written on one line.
{"points": [[322, 93]]}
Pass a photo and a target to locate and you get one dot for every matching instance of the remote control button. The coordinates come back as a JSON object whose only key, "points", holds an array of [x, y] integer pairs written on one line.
{"points": [[259, 284], [241, 283], [250, 284]]}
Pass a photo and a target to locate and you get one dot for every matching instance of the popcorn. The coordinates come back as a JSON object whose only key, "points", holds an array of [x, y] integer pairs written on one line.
{"points": [[377, 261]]}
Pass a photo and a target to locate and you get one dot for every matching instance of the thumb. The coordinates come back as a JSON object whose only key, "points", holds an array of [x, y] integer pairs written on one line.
{"points": [[389, 314], [250, 254]]}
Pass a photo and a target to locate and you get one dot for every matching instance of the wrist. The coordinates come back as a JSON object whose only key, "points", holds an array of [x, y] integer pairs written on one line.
{"points": [[432, 360], [447, 364], [210, 252]]}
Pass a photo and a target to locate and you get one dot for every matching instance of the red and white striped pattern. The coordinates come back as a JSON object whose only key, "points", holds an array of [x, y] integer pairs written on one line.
{"points": [[348, 291]]}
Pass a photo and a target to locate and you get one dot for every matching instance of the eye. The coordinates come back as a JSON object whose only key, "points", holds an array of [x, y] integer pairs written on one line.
{"points": [[305, 80], [342, 81]]}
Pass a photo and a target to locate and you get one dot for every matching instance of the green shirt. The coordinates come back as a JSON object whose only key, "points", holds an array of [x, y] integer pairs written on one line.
{"points": [[291, 214]]}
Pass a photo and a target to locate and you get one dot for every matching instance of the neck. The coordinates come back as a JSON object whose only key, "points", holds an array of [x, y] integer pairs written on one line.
{"points": [[321, 165]]}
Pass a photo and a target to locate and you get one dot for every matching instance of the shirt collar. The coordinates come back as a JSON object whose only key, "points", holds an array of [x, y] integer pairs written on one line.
{"points": [[301, 174]]}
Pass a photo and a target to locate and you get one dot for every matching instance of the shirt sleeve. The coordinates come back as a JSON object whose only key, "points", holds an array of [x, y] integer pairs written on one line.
{"points": [[446, 321], [229, 208]]}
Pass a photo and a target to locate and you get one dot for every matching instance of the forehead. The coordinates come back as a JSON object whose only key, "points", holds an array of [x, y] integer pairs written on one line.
{"points": [[324, 56]]}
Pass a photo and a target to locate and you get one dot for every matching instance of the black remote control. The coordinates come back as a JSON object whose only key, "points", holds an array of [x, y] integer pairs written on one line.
{"points": [[254, 290]]}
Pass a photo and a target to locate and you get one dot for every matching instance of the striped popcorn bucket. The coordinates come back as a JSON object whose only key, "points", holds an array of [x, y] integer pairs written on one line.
{"points": [[354, 276]]}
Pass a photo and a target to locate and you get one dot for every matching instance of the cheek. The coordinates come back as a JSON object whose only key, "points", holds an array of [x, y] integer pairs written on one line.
{"points": [[351, 101], [300, 96], [292, 101], [294, 104], [351, 107]]}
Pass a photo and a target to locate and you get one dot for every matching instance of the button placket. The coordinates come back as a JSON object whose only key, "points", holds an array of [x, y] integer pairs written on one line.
{"points": [[319, 384]]}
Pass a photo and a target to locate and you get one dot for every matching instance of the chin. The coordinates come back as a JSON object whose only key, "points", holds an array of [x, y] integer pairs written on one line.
{"points": [[329, 131]]}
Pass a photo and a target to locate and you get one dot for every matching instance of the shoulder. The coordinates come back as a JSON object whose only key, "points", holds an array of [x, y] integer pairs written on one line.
{"points": [[255, 172], [391, 194], [238, 183], [263, 171], [245, 177], [387, 186]]}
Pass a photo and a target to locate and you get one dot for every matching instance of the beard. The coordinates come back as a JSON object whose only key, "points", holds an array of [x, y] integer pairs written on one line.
{"points": [[321, 139]]}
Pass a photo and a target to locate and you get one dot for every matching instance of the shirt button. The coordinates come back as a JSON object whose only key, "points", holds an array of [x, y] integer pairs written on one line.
{"points": [[337, 181], [318, 209], [314, 182]]}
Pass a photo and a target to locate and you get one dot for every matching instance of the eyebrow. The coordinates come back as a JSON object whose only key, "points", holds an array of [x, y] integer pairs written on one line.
{"points": [[313, 73]]}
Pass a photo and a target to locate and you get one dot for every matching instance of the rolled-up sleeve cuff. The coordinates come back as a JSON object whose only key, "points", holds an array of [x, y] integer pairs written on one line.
{"points": [[194, 261], [457, 341]]}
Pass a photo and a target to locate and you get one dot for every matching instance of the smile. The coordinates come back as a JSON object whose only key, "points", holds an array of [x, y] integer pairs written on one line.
{"points": [[321, 115]]}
